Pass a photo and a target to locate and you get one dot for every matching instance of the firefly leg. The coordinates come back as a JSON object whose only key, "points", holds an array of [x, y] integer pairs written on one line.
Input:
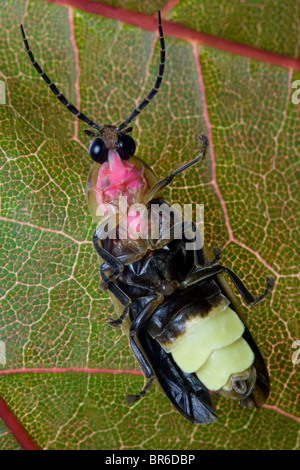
{"points": [[217, 251], [110, 261], [146, 312], [138, 251], [113, 264], [210, 271], [130, 399], [199, 253], [158, 187], [247, 296], [123, 299]]}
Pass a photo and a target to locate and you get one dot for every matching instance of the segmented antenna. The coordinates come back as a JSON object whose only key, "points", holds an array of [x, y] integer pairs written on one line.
{"points": [[158, 81], [80, 115], [53, 88]]}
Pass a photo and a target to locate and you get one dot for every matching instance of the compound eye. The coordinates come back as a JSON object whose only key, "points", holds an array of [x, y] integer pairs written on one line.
{"points": [[126, 146], [98, 151]]}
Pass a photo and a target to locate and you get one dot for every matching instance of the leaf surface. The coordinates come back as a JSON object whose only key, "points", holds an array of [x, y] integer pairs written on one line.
{"points": [[67, 371]]}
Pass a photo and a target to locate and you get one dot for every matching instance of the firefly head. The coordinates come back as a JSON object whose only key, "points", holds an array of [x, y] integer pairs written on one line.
{"points": [[110, 138]]}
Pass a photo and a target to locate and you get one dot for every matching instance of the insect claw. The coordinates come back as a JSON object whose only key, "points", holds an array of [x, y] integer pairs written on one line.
{"points": [[203, 139], [103, 286], [130, 399], [270, 282], [218, 252], [112, 322]]}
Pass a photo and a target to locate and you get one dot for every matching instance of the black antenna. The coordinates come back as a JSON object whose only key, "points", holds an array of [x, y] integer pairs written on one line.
{"points": [[53, 88], [158, 81]]}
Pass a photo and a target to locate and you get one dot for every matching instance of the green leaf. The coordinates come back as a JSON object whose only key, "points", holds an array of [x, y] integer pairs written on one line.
{"points": [[66, 371], [266, 24]]}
